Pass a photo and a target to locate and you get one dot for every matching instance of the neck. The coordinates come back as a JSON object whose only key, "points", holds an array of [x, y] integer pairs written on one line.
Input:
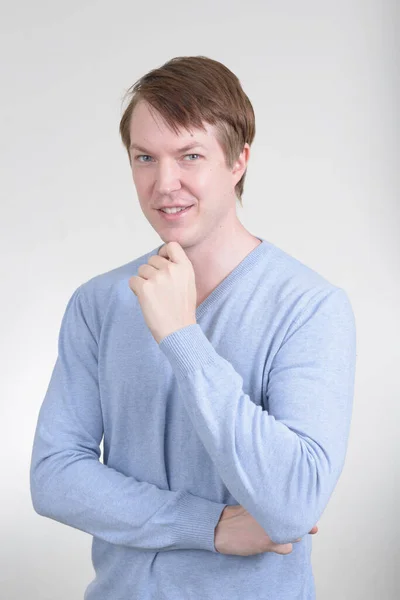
{"points": [[216, 256]]}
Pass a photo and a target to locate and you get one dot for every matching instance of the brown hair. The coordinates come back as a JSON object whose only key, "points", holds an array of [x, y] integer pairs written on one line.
{"points": [[188, 90]]}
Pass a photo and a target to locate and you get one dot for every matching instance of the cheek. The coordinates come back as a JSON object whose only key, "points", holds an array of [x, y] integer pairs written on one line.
{"points": [[204, 179], [142, 182]]}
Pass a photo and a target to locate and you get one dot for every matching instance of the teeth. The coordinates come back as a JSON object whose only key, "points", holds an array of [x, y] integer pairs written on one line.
{"points": [[173, 210]]}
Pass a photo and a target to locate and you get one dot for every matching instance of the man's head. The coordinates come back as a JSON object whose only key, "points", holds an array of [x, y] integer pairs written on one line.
{"points": [[186, 101]]}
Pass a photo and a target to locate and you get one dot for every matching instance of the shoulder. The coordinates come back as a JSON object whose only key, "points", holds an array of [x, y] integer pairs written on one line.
{"points": [[101, 292], [297, 288], [104, 282]]}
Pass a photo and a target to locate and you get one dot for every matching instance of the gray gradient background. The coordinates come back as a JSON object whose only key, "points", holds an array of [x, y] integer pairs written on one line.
{"points": [[322, 184]]}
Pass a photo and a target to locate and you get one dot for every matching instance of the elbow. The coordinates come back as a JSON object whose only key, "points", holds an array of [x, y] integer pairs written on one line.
{"points": [[39, 505], [287, 529], [299, 516], [40, 501], [305, 497], [290, 533], [43, 494]]}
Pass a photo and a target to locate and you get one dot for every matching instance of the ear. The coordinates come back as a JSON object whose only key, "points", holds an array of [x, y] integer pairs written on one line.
{"points": [[241, 163]]}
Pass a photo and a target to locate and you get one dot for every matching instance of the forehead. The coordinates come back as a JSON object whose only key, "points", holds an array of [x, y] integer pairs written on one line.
{"points": [[147, 127]]}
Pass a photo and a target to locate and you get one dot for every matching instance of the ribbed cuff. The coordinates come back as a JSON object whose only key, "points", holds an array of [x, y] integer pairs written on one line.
{"points": [[197, 520], [188, 349]]}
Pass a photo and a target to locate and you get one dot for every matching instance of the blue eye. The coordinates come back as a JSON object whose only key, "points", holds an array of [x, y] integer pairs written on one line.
{"points": [[139, 156]]}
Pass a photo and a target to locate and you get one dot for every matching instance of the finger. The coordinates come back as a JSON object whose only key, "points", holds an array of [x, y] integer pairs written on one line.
{"points": [[163, 251], [135, 283], [158, 262], [173, 251], [147, 271]]}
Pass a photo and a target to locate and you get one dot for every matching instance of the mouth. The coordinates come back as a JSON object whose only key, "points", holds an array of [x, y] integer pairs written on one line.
{"points": [[175, 216]]}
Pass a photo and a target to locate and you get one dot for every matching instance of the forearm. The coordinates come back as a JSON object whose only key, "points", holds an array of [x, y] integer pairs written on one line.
{"points": [[74, 488], [70, 484]]}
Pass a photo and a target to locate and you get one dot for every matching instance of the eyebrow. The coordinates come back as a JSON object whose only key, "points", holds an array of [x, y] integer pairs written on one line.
{"points": [[183, 149]]}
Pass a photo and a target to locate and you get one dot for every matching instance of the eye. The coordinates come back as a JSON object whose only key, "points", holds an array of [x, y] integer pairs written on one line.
{"points": [[142, 156], [192, 155], [146, 156]]}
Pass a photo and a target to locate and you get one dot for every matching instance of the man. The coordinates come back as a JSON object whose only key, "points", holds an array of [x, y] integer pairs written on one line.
{"points": [[218, 368]]}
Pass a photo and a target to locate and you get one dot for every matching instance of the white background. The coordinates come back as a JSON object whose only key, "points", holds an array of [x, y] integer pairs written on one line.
{"points": [[322, 184]]}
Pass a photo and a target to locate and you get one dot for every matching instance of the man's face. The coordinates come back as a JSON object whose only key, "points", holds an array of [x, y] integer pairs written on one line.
{"points": [[165, 175]]}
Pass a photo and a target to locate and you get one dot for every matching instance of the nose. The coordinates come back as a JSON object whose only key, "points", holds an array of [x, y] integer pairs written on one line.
{"points": [[167, 178]]}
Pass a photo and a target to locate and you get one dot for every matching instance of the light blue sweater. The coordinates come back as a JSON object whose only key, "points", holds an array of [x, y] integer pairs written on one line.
{"points": [[252, 406]]}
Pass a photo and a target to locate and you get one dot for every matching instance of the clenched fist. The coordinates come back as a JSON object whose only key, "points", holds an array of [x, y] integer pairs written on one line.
{"points": [[166, 290]]}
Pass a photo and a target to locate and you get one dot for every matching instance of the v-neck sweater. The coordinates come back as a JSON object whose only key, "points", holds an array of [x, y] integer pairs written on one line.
{"points": [[249, 406]]}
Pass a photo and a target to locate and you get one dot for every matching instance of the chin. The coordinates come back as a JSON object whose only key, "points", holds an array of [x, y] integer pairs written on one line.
{"points": [[173, 236]]}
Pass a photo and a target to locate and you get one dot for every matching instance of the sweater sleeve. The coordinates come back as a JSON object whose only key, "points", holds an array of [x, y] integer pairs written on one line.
{"points": [[69, 483], [283, 464]]}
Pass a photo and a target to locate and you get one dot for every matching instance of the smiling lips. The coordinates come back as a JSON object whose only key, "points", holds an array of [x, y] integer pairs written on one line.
{"points": [[175, 215], [175, 206]]}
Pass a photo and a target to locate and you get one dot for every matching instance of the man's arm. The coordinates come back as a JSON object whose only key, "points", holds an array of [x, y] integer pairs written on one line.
{"points": [[283, 464], [70, 484]]}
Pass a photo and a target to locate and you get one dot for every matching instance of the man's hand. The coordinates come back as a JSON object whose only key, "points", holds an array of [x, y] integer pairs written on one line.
{"points": [[166, 290], [237, 532]]}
